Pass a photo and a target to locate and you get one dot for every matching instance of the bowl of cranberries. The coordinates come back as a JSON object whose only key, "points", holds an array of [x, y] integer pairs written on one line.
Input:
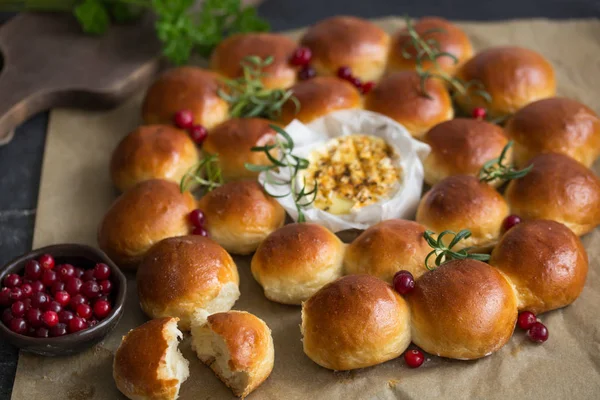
{"points": [[61, 299]]}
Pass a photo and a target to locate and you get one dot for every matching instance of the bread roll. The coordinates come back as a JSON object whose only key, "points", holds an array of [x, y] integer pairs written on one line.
{"points": [[386, 248], [318, 97], [355, 322], [463, 202], [181, 275], [152, 152], [148, 365], [348, 41], [145, 214], [232, 141], [560, 189], [461, 146], [463, 309], [399, 96], [450, 38], [238, 347], [240, 215], [185, 88], [297, 260], [513, 76], [227, 57], [555, 125], [546, 263]]}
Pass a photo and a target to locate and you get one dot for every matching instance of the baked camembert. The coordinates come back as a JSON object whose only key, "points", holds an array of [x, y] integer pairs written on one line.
{"points": [[352, 172]]}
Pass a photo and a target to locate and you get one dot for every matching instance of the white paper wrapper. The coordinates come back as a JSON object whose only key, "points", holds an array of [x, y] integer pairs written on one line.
{"points": [[402, 204]]}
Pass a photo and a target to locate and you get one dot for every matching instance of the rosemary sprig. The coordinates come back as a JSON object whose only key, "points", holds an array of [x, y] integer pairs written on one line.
{"points": [[428, 50], [497, 169], [445, 253], [247, 95], [205, 173], [284, 159]]}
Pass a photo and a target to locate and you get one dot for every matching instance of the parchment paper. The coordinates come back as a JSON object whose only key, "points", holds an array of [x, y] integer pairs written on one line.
{"points": [[75, 192]]}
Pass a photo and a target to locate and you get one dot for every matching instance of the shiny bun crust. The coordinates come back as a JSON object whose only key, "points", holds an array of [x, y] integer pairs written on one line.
{"points": [[460, 147], [148, 365], [152, 152], [546, 263], [318, 97], [240, 215], [557, 188], [185, 88], [399, 97], [451, 39], [348, 41], [297, 260], [181, 275], [238, 347], [227, 57], [232, 141], [471, 292], [355, 322], [513, 76], [555, 125], [145, 214], [386, 248], [463, 202]]}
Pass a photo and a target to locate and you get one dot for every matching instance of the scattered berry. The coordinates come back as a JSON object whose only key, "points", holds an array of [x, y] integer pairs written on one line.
{"points": [[367, 87], [200, 231], [526, 320], [344, 73], [307, 72], [198, 133], [538, 333], [510, 221], [414, 358], [404, 282], [302, 56], [356, 82], [196, 218], [183, 119], [479, 113]]}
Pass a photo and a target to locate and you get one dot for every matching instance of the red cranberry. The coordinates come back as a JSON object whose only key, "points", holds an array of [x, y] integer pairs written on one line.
{"points": [[479, 113], [538, 333], [73, 286], [65, 316], [46, 261], [18, 309], [65, 271], [56, 287], [105, 286], [307, 72], [198, 133], [301, 56], [344, 72], [42, 332], [78, 273], [58, 330], [200, 231], [356, 82], [196, 218], [404, 282], [90, 289], [39, 299], [37, 286], [16, 294], [183, 119], [414, 358], [77, 299], [101, 271], [12, 281], [367, 87], [5, 297], [88, 275], [101, 309], [84, 311], [18, 325], [49, 277], [50, 318], [34, 317], [33, 270], [510, 221], [7, 316], [27, 290], [77, 324], [63, 298], [526, 320], [54, 306]]}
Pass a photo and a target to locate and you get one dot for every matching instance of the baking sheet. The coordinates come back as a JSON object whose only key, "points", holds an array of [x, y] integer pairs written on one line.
{"points": [[75, 192]]}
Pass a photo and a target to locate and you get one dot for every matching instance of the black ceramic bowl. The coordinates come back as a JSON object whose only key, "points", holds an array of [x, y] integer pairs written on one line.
{"points": [[81, 256]]}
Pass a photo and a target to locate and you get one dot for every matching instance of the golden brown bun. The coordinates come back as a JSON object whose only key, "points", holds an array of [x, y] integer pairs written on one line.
{"points": [[399, 97], [240, 215], [463, 202], [463, 309], [238, 347], [451, 40], [513, 76], [546, 263], [348, 41], [180, 275], [318, 97], [227, 57], [152, 152], [145, 214], [355, 322], [460, 147], [555, 125], [297, 260], [185, 88], [232, 141], [386, 248], [148, 365], [560, 189]]}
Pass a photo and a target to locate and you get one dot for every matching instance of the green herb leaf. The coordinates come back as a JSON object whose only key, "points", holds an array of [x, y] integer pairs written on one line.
{"points": [[206, 174], [93, 16], [496, 169], [444, 253]]}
